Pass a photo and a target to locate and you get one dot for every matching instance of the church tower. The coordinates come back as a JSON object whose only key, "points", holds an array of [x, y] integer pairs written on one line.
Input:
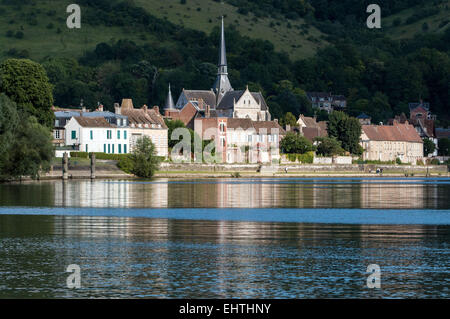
{"points": [[222, 84], [170, 106]]}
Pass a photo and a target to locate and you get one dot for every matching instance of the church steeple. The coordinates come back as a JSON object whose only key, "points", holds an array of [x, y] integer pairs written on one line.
{"points": [[169, 101], [222, 83]]}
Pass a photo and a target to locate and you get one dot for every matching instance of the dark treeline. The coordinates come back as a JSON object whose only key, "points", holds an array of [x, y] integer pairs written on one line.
{"points": [[379, 76]]}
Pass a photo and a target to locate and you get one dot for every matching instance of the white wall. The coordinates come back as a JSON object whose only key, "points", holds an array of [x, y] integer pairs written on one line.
{"points": [[99, 141]]}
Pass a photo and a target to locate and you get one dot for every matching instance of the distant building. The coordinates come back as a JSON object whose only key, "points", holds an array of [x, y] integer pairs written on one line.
{"points": [[145, 122], [442, 133], [242, 140], [222, 100], [95, 134], [310, 128], [364, 119], [326, 101], [422, 120], [62, 116], [389, 142]]}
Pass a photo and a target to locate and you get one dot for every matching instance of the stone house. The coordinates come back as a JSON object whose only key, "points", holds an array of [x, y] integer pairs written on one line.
{"points": [[145, 122], [389, 142]]}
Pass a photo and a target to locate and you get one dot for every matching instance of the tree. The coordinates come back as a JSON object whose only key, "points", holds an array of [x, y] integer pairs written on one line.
{"points": [[329, 146], [294, 143], [347, 130], [26, 83], [289, 119], [144, 160], [172, 125], [25, 146], [428, 146], [444, 146]]}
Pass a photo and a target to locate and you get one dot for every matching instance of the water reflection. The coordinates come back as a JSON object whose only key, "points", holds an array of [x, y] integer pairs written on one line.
{"points": [[251, 193], [139, 257]]}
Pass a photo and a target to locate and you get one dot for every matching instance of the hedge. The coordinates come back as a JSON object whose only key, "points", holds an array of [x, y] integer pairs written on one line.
{"points": [[100, 156], [306, 158]]}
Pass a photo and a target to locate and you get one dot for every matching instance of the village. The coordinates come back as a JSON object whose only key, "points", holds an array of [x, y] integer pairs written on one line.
{"points": [[238, 123]]}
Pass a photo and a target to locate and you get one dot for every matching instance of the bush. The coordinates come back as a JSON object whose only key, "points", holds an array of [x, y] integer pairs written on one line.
{"points": [[306, 158], [126, 164], [294, 143], [19, 35], [398, 161], [99, 156], [435, 161], [144, 162]]}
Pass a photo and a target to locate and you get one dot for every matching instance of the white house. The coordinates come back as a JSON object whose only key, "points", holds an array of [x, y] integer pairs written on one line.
{"points": [[95, 134]]}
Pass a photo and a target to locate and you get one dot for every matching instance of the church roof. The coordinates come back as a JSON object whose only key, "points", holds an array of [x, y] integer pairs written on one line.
{"points": [[228, 99], [169, 101], [207, 96]]}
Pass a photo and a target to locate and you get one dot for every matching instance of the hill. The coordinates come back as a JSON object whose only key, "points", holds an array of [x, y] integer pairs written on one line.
{"points": [[43, 25]]}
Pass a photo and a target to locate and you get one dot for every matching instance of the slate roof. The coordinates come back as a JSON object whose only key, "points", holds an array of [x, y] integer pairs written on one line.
{"points": [[207, 96], [230, 97], [363, 116], [442, 132], [397, 132]]}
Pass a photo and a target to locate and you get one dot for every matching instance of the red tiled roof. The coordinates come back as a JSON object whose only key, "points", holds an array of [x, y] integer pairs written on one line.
{"points": [[397, 132]]}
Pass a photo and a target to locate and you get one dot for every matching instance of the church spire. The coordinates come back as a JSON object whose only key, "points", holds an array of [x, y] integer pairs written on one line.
{"points": [[169, 101], [222, 83]]}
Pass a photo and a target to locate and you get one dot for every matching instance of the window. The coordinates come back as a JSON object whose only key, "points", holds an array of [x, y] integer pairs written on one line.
{"points": [[109, 148], [120, 148], [57, 134], [125, 135], [104, 148], [56, 123], [125, 148], [74, 135], [118, 134], [92, 135], [222, 127], [113, 148], [87, 148]]}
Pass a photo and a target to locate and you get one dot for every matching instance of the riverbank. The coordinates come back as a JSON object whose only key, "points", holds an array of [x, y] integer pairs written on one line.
{"points": [[80, 169]]}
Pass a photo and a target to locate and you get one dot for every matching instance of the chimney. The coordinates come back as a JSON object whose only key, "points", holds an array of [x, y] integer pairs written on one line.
{"points": [[275, 120], [201, 104], [117, 109], [145, 108], [207, 112], [156, 109], [100, 108], [83, 109]]}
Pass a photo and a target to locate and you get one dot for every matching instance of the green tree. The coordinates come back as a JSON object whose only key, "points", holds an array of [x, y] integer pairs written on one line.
{"points": [[329, 146], [347, 130], [294, 143], [444, 146], [25, 146], [172, 125], [289, 119], [26, 83], [143, 157], [428, 146]]}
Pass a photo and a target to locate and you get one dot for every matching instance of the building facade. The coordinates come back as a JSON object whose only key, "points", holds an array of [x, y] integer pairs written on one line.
{"points": [[95, 134], [145, 122], [389, 142]]}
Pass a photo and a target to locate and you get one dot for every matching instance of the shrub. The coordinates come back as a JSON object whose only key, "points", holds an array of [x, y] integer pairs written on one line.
{"points": [[126, 164], [306, 158], [19, 35], [398, 161], [435, 161], [144, 160]]}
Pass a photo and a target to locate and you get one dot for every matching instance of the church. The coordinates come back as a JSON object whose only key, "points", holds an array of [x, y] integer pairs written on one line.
{"points": [[221, 101]]}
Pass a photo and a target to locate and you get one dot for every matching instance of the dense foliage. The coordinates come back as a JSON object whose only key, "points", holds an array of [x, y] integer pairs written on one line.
{"points": [[26, 83], [25, 145], [346, 130], [379, 76], [294, 143], [144, 162], [329, 146]]}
